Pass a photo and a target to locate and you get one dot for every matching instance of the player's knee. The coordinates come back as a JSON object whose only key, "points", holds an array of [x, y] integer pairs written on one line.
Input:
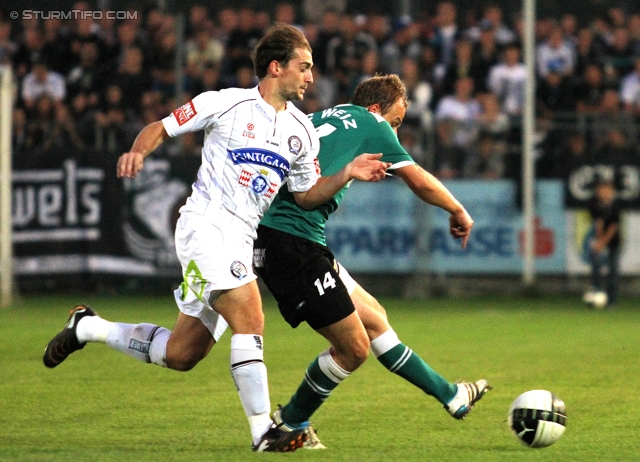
{"points": [[354, 355]]}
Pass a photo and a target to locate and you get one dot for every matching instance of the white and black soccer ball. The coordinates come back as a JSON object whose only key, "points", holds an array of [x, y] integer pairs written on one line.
{"points": [[537, 418]]}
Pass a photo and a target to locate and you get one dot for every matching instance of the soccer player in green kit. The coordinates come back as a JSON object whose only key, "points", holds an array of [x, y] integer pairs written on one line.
{"points": [[309, 285]]}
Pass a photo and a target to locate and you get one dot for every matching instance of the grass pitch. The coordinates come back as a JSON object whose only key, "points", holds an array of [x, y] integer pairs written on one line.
{"points": [[102, 406]]}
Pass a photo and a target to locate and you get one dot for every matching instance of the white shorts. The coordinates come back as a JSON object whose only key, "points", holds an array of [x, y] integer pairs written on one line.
{"points": [[212, 261], [346, 278]]}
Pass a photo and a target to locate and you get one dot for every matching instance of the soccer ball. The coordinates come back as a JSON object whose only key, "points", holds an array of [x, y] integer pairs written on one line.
{"points": [[596, 299], [537, 418]]}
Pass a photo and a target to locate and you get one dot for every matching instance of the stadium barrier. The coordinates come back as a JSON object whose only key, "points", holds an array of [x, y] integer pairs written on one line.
{"points": [[72, 216]]}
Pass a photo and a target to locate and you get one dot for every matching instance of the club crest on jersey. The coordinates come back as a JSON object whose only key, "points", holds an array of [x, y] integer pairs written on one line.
{"points": [[259, 184], [238, 270], [185, 113], [295, 145], [262, 157]]}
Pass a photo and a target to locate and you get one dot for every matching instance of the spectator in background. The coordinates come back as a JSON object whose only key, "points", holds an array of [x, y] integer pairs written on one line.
{"points": [[209, 80], [244, 77], [345, 53], [19, 136], [129, 36], [449, 158], [569, 155], [587, 52], [619, 55], [314, 9], [201, 50], [228, 22], [555, 55], [616, 149], [42, 82], [30, 50], [617, 17], [41, 126], [492, 18], [507, 81], [463, 65], [569, 26], [419, 95], [57, 46], [241, 41], [132, 77], [555, 93], [484, 161], [485, 54], [604, 242], [493, 121], [378, 28], [634, 33], [285, 12], [163, 64], [630, 90], [323, 88], [446, 32], [403, 43], [198, 20], [8, 47], [370, 65], [328, 31], [602, 31], [87, 76], [462, 111], [610, 116], [590, 90]]}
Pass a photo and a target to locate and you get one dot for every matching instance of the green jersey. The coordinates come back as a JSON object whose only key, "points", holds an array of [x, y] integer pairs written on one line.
{"points": [[345, 132]]}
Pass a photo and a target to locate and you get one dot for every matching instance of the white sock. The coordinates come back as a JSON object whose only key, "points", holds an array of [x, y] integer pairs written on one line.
{"points": [[380, 345], [145, 342], [93, 329], [250, 376]]}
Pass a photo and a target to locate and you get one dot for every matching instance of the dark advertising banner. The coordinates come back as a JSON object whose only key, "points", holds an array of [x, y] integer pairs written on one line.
{"points": [[72, 215], [581, 183]]}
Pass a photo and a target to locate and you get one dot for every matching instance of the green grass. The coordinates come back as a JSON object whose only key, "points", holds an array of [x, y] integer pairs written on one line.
{"points": [[102, 406]]}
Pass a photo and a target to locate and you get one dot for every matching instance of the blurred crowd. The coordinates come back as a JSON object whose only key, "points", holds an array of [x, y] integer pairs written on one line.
{"points": [[93, 84]]}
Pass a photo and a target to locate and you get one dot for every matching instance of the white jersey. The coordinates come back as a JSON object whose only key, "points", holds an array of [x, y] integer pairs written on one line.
{"points": [[249, 152]]}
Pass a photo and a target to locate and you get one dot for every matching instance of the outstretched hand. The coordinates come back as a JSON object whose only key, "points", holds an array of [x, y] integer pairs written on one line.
{"points": [[129, 164], [460, 224], [367, 167]]}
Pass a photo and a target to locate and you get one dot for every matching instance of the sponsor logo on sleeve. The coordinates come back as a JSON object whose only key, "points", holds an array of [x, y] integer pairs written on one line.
{"points": [[185, 113], [238, 270]]}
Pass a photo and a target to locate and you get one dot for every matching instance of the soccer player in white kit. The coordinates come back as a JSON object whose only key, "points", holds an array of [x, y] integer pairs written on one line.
{"points": [[255, 141]]}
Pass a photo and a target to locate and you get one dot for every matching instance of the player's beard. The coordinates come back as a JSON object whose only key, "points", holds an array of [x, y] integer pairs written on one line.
{"points": [[292, 95]]}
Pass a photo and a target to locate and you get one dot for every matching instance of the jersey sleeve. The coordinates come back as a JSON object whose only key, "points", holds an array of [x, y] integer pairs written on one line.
{"points": [[388, 144], [195, 114], [305, 171]]}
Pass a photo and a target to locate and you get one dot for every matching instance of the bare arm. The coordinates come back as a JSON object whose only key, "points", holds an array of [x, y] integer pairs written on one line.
{"points": [[365, 167], [149, 138], [429, 189]]}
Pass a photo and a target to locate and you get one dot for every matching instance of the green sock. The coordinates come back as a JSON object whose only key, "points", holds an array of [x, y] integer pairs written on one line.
{"points": [[402, 361], [313, 391]]}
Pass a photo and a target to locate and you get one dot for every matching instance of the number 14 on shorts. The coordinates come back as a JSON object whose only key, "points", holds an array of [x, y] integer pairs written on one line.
{"points": [[328, 283]]}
